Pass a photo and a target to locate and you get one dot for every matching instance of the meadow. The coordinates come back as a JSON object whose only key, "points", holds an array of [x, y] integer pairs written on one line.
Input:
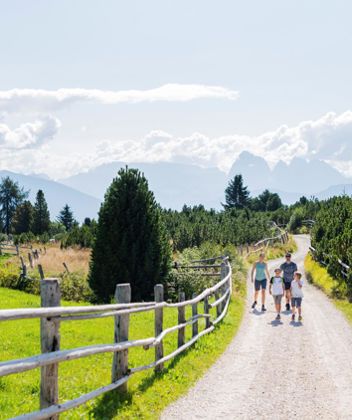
{"points": [[148, 392]]}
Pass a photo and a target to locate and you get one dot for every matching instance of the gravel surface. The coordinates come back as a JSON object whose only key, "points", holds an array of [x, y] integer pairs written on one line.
{"points": [[279, 369]]}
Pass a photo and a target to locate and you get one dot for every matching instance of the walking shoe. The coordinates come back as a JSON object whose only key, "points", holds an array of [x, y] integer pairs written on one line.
{"points": [[254, 303], [263, 308], [293, 317], [287, 306], [278, 316], [300, 318]]}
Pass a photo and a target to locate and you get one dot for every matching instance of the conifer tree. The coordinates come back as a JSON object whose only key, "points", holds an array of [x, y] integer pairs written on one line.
{"points": [[236, 194], [131, 244], [66, 217], [41, 218], [11, 195], [23, 218]]}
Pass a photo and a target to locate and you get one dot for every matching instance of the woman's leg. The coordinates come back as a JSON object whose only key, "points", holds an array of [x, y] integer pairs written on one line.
{"points": [[263, 296]]}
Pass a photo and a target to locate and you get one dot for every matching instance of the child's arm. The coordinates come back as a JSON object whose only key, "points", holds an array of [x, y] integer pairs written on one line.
{"points": [[282, 285], [300, 284]]}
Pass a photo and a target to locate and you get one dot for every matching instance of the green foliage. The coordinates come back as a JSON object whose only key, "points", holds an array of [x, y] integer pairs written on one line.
{"points": [[191, 281], [266, 201], [332, 237], [41, 220], [236, 194], [131, 244], [83, 236], [23, 218], [11, 195], [194, 225], [66, 217]]}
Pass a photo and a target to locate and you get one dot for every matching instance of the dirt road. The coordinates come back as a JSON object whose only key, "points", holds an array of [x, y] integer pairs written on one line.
{"points": [[278, 370]]}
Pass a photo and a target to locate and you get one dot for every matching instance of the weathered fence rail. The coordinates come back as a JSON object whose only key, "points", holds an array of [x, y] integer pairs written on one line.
{"points": [[345, 268], [261, 245], [52, 315]]}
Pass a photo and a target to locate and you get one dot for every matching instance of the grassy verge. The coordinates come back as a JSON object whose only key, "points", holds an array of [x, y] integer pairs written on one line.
{"points": [[318, 275], [148, 393], [276, 251]]}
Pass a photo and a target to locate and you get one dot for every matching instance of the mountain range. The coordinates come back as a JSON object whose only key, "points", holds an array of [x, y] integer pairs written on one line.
{"points": [[176, 184], [57, 195]]}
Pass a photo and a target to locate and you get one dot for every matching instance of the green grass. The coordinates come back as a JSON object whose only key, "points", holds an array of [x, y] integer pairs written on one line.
{"points": [[276, 251], [148, 394], [318, 275]]}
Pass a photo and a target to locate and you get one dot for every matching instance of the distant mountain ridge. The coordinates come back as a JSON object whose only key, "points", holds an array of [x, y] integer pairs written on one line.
{"points": [[173, 184], [299, 176], [57, 195], [176, 184]]}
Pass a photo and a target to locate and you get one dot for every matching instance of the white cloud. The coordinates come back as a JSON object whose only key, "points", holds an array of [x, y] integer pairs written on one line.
{"points": [[328, 138], [38, 99], [30, 134]]}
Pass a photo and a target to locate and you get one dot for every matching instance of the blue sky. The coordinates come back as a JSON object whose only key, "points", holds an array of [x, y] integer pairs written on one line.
{"points": [[290, 62]]}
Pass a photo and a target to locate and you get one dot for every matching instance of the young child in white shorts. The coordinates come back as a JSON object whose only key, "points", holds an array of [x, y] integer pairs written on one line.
{"points": [[277, 290], [297, 295]]}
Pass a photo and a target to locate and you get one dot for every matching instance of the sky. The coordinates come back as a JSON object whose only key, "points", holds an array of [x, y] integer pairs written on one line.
{"points": [[84, 83]]}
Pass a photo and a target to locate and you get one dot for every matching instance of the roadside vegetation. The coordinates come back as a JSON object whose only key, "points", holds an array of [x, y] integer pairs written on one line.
{"points": [[336, 290]]}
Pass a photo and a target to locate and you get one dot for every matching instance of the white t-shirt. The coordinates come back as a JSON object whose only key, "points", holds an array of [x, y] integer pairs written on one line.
{"points": [[296, 291], [277, 286]]}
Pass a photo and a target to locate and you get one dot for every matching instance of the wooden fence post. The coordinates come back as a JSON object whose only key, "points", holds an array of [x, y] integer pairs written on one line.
{"points": [[223, 274], [194, 313], [206, 311], [120, 359], [30, 259], [50, 341], [24, 268], [158, 323], [181, 320], [17, 250], [66, 268], [41, 272]]}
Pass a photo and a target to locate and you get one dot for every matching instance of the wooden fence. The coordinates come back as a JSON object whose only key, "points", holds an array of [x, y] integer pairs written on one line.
{"points": [[51, 315], [9, 248], [345, 268], [282, 237]]}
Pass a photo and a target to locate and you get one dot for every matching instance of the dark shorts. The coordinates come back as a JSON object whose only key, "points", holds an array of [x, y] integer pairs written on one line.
{"points": [[287, 285], [296, 302], [260, 284]]}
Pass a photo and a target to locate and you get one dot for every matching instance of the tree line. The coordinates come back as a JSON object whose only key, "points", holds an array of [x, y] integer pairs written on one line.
{"points": [[20, 217]]}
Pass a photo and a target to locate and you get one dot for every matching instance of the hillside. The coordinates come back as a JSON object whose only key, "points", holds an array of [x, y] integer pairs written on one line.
{"points": [[57, 195]]}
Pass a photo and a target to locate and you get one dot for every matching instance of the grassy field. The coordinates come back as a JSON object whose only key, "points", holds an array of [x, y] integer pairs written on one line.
{"points": [[318, 275], [148, 393]]}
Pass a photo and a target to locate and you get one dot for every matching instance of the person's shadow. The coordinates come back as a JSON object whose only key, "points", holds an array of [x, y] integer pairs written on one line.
{"points": [[296, 324], [258, 313], [276, 322]]}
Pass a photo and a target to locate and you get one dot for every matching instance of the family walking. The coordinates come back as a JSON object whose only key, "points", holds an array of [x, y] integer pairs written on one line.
{"points": [[287, 281]]}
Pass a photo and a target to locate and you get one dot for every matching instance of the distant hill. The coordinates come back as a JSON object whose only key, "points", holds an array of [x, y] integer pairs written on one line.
{"points": [[335, 190], [57, 195], [173, 184]]}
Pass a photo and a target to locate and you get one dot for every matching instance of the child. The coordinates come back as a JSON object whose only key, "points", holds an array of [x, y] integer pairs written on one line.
{"points": [[296, 295], [277, 290]]}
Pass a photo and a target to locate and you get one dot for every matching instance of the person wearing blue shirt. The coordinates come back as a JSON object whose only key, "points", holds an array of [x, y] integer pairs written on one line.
{"points": [[260, 269]]}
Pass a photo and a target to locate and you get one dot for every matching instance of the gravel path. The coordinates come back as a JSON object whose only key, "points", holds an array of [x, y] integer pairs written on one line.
{"points": [[276, 370]]}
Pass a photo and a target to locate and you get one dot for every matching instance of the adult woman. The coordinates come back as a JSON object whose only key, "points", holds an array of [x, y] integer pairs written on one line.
{"points": [[260, 279]]}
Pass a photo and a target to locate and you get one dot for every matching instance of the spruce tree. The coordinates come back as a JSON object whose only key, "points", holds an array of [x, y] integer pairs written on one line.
{"points": [[41, 219], [11, 195], [131, 244], [236, 194], [23, 218], [66, 217]]}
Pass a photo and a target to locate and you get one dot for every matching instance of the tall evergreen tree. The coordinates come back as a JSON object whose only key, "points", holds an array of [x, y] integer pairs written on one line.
{"points": [[236, 194], [41, 218], [66, 217], [131, 244], [11, 195], [23, 218]]}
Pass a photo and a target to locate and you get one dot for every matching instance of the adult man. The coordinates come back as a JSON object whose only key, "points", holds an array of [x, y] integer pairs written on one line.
{"points": [[288, 270]]}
